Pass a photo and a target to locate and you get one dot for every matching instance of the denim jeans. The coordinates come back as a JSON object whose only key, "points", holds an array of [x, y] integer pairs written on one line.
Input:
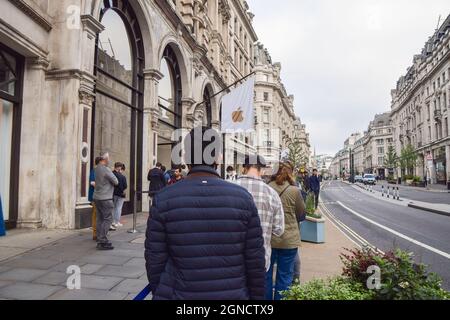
{"points": [[297, 267], [285, 261], [118, 205]]}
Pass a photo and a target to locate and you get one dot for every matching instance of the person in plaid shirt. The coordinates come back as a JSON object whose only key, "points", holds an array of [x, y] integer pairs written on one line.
{"points": [[267, 201]]}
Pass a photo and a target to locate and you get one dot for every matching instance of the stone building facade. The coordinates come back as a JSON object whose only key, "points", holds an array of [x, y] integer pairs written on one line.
{"points": [[83, 76], [80, 77], [421, 108], [376, 141], [275, 118]]}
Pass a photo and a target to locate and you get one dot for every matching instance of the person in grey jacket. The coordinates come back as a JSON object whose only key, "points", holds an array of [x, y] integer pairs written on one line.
{"points": [[105, 181]]}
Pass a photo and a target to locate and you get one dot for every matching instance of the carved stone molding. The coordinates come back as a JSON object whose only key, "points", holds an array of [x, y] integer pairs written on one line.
{"points": [[37, 63], [154, 118], [153, 74], [87, 97], [35, 13], [91, 25]]}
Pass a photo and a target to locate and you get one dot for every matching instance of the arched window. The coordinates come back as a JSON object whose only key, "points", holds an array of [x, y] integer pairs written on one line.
{"points": [[118, 109], [170, 94]]}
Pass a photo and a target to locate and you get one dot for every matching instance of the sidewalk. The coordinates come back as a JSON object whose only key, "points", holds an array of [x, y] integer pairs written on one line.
{"points": [[321, 261], [33, 264]]}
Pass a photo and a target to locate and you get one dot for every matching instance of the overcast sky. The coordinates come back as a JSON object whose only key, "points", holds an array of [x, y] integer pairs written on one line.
{"points": [[341, 58]]}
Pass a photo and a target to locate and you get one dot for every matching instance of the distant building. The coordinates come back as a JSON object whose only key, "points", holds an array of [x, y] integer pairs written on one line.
{"points": [[421, 108], [377, 140]]}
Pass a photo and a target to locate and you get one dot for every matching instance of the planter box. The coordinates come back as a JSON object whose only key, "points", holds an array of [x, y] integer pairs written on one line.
{"points": [[313, 230]]}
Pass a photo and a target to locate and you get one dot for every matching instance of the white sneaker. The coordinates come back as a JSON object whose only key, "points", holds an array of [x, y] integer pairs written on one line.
{"points": [[119, 225]]}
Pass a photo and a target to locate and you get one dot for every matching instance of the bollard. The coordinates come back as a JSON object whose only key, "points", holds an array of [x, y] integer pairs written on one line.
{"points": [[388, 191], [382, 191], [398, 193]]}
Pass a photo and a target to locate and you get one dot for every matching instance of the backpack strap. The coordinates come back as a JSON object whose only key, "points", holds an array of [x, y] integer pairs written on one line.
{"points": [[282, 192]]}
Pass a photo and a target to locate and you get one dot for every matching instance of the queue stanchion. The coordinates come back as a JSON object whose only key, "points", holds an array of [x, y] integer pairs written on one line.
{"points": [[134, 228]]}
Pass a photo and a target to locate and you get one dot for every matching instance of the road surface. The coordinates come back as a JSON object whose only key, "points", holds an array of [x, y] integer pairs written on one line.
{"points": [[386, 226]]}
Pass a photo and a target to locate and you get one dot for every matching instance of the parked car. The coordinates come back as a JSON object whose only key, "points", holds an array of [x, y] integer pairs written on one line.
{"points": [[369, 179], [358, 178]]}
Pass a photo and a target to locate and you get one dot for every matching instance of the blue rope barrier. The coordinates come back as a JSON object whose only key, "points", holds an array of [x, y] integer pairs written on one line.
{"points": [[2, 221], [143, 294]]}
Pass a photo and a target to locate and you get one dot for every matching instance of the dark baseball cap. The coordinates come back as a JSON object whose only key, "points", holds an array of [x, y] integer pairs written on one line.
{"points": [[255, 161]]}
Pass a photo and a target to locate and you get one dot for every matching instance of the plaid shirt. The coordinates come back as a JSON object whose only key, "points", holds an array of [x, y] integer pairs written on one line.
{"points": [[270, 210]]}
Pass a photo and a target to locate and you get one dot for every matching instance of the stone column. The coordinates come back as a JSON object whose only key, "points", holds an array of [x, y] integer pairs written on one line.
{"points": [[31, 151], [150, 128], [84, 114]]}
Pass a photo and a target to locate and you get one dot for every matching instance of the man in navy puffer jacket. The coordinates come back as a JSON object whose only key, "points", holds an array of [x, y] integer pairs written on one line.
{"points": [[204, 239]]}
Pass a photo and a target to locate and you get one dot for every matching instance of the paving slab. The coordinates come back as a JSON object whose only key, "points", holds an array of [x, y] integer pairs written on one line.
{"points": [[5, 283], [21, 274], [53, 278], [88, 294], [10, 252], [135, 262], [121, 271], [105, 259], [31, 263], [28, 291], [99, 282], [122, 253], [131, 286], [4, 268]]}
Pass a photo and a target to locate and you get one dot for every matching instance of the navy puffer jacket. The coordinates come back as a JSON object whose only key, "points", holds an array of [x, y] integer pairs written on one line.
{"points": [[204, 242]]}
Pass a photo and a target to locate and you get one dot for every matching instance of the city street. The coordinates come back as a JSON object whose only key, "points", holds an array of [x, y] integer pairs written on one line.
{"points": [[368, 220]]}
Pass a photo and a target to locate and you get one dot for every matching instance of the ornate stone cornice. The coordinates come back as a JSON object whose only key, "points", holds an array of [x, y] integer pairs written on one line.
{"points": [[91, 25], [37, 63], [153, 74], [34, 12]]}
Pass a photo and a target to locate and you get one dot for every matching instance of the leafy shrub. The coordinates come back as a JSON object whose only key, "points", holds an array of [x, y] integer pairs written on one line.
{"points": [[338, 288], [401, 278]]}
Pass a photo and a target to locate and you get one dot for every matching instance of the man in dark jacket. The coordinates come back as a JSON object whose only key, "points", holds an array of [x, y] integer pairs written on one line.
{"points": [[204, 238], [156, 179], [314, 184], [119, 193]]}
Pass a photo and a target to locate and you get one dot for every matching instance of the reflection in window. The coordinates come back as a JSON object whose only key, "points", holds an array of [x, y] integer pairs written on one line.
{"points": [[114, 92], [7, 73], [6, 122]]}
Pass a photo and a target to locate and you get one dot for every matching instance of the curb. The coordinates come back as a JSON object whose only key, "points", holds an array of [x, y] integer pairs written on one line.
{"points": [[415, 206]]}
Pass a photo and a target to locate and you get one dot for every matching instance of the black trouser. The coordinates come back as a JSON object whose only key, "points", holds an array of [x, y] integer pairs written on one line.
{"points": [[316, 199]]}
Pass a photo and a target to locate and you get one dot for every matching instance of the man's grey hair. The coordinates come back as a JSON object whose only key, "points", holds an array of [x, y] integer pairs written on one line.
{"points": [[104, 155]]}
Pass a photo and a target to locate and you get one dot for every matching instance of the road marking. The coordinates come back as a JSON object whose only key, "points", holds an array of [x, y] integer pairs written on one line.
{"points": [[341, 227], [398, 234]]}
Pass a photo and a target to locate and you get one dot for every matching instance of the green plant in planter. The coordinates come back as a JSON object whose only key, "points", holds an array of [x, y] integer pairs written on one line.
{"points": [[310, 207]]}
